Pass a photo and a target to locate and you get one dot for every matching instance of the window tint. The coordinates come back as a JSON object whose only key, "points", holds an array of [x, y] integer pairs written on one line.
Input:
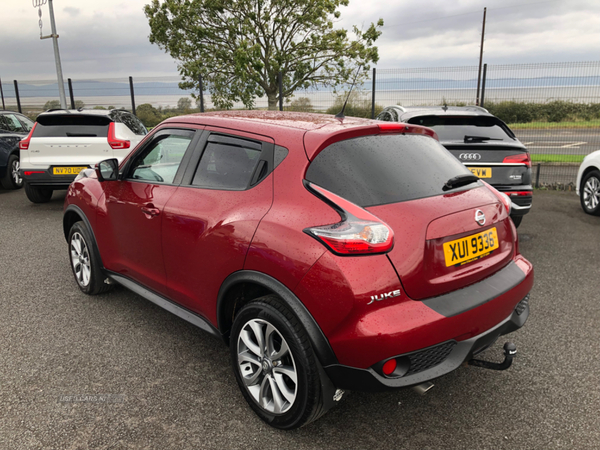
{"points": [[76, 125], [160, 161], [226, 166], [376, 170], [27, 123], [132, 122], [456, 128]]}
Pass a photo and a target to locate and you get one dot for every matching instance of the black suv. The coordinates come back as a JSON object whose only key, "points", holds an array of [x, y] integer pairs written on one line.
{"points": [[482, 142], [13, 127]]}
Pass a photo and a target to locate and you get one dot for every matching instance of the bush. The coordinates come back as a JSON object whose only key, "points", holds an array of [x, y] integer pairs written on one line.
{"points": [[359, 105], [552, 111], [300, 104]]}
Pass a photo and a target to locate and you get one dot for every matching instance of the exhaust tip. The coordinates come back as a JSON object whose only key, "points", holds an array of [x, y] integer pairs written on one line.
{"points": [[423, 388]]}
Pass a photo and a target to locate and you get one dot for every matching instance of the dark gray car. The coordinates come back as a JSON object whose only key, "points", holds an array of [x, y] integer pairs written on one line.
{"points": [[482, 142], [13, 127]]}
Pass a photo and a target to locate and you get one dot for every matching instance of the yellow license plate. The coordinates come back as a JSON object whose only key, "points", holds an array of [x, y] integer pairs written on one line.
{"points": [[67, 170], [481, 172], [470, 248]]}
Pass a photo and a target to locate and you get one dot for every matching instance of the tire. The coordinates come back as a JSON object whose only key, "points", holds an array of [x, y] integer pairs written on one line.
{"points": [[12, 179], [37, 194], [589, 193], [517, 220], [297, 402], [85, 262]]}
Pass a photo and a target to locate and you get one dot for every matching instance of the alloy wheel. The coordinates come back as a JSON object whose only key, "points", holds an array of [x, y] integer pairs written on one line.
{"points": [[80, 259], [267, 366], [591, 193], [17, 180]]}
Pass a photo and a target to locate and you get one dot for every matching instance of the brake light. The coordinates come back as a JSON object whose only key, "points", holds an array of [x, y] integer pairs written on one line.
{"points": [[519, 194], [504, 199], [116, 144], [521, 158], [24, 144], [30, 172], [359, 232], [396, 127]]}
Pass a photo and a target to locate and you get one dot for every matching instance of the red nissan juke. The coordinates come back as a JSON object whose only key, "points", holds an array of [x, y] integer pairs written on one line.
{"points": [[330, 254]]}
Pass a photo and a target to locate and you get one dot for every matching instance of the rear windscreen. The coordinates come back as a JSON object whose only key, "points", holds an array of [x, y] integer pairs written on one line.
{"points": [[455, 128], [382, 169], [56, 125]]}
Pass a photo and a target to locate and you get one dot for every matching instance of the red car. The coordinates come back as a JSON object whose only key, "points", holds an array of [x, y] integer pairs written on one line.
{"points": [[329, 254]]}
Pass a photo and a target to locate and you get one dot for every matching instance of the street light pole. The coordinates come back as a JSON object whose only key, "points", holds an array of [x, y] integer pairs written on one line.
{"points": [[54, 36]]}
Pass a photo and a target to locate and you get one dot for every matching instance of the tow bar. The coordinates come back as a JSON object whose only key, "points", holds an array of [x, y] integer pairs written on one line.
{"points": [[510, 350]]}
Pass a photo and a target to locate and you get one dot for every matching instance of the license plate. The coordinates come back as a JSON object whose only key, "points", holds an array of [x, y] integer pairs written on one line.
{"points": [[470, 248], [67, 170], [481, 172]]}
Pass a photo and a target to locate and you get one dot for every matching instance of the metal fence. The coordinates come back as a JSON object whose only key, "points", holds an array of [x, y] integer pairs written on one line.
{"points": [[553, 108]]}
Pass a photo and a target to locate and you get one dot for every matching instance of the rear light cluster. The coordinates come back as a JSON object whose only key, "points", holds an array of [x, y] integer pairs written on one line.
{"points": [[115, 143], [519, 194], [521, 158], [359, 232], [24, 144]]}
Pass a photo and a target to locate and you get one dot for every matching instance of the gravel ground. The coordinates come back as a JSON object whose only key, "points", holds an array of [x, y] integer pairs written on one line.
{"points": [[117, 372]]}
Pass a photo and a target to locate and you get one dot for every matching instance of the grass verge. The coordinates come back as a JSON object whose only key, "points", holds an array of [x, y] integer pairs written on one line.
{"points": [[550, 125], [540, 158]]}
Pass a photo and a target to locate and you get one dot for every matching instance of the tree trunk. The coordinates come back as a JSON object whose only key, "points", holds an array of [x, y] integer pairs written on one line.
{"points": [[273, 101]]}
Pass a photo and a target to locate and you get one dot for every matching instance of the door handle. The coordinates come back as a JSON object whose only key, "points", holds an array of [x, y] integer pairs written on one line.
{"points": [[150, 210]]}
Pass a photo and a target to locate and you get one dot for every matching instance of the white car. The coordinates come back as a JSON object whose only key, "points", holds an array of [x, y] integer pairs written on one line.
{"points": [[588, 183], [64, 142]]}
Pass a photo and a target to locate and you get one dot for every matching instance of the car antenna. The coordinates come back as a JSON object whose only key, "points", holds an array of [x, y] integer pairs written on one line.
{"points": [[340, 115], [445, 107]]}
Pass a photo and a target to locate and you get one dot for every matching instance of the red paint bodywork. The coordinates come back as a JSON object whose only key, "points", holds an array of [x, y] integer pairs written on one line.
{"points": [[199, 237]]}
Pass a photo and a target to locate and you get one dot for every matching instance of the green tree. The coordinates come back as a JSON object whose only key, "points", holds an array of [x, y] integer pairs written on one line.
{"points": [[52, 104], [300, 104], [184, 104], [239, 46], [148, 114]]}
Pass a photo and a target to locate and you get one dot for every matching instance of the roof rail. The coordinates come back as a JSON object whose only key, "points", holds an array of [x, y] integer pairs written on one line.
{"points": [[57, 109]]}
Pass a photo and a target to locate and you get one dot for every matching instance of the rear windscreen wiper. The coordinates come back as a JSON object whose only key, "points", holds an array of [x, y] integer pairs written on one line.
{"points": [[459, 180], [479, 139]]}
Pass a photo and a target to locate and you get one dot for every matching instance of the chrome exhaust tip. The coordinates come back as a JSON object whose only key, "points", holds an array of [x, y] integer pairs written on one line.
{"points": [[423, 388]]}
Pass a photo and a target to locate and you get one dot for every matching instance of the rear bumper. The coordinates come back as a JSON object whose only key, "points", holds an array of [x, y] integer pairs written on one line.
{"points": [[521, 204], [450, 354], [45, 178]]}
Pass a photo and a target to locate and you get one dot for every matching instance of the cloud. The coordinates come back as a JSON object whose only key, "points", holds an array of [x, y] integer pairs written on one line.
{"points": [[73, 12]]}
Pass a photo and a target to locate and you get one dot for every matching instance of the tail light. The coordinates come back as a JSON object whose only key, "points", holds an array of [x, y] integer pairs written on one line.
{"points": [[519, 194], [521, 158], [501, 196], [24, 144], [116, 144], [359, 232]]}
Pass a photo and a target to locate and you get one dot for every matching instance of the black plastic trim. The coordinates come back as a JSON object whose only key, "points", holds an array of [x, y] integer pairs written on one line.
{"points": [[368, 380], [457, 302], [319, 342], [166, 304]]}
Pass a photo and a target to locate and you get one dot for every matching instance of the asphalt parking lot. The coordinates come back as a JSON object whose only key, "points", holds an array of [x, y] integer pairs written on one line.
{"points": [[117, 372]]}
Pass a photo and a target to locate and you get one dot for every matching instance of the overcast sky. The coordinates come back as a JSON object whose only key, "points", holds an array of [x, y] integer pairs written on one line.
{"points": [[109, 38]]}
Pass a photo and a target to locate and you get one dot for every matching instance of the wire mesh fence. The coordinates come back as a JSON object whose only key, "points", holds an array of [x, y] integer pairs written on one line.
{"points": [[554, 109]]}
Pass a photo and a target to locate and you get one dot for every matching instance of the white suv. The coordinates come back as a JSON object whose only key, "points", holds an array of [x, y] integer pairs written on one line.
{"points": [[64, 142]]}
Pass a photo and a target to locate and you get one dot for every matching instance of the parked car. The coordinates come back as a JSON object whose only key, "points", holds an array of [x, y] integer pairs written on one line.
{"points": [[329, 254], [13, 128], [64, 142], [482, 142], [588, 183]]}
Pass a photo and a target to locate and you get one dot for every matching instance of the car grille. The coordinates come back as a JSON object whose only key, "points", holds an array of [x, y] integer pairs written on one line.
{"points": [[429, 358]]}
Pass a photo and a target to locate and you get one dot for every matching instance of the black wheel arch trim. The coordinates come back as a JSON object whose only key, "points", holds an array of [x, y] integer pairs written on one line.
{"points": [[77, 210], [320, 344]]}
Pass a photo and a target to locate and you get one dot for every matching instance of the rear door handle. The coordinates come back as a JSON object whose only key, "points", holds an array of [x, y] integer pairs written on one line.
{"points": [[150, 210]]}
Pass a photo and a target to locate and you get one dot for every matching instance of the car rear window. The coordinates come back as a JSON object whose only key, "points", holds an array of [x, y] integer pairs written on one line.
{"points": [[57, 125], [382, 169], [455, 128]]}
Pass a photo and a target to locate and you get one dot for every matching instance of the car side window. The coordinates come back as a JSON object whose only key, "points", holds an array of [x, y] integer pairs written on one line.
{"points": [[227, 167], [132, 122], [9, 122], [27, 123], [385, 115], [160, 161]]}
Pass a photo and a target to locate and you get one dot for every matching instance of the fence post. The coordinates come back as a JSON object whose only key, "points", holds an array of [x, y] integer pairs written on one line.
{"points": [[537, 176], [17, 95], [132, 95], [201, 93], [483, 85], [71, 93], [280, 82], [2, 94], [373, 94]]}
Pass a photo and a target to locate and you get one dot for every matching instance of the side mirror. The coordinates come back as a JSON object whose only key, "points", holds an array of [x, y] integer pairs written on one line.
{"points": [[108, 170]]}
